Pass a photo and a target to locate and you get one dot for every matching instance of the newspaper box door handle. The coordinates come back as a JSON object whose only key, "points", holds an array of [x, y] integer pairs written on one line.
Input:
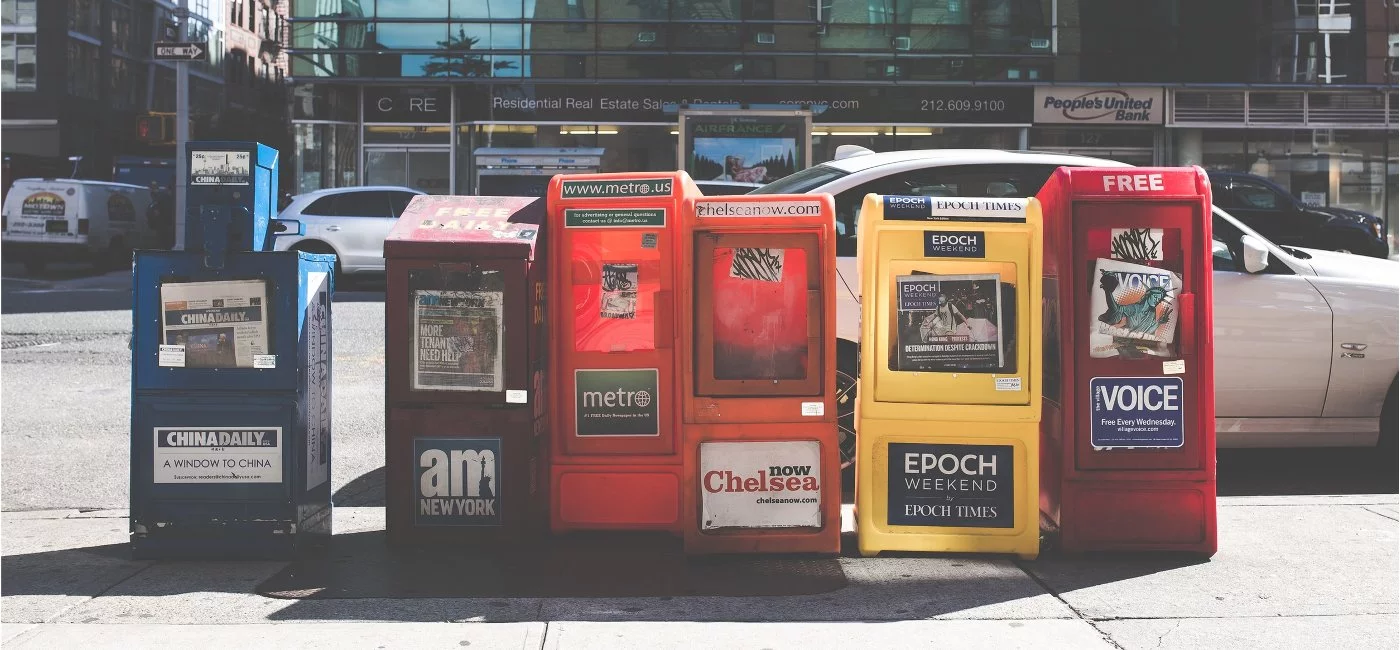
{"points": [[1186, 323]]}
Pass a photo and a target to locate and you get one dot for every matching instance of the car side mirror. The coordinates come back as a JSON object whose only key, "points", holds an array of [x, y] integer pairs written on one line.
{"points": [[1256, 254]]}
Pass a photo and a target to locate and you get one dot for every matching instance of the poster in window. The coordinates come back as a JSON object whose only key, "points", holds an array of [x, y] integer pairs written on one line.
{"points": [[759, 316], [1133, 310], [218, 324], [619, 291], [457, 340], [221, 168], [948, 323]]}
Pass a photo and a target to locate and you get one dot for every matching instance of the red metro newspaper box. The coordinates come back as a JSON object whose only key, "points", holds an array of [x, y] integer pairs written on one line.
{"points": [[758, 377], [1129, 407], [615, 457], [465, 441]]}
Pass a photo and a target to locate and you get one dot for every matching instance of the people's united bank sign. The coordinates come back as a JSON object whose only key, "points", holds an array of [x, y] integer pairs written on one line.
{"points": [[1089, 105]]}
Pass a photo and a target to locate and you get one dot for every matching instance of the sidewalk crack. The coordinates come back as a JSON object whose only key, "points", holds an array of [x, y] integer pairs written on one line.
{"points": [[1020, 564]]}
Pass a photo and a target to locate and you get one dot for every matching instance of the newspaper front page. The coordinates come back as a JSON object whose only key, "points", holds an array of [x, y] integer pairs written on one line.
{"points": [[218, 324], [457, 342]]}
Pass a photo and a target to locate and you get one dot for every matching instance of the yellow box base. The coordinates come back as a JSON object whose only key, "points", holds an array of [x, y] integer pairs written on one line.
{"points": [[872, 488]]}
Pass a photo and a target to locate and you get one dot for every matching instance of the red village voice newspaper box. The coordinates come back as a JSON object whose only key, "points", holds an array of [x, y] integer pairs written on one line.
{"points": [[465, 441], [1129, 407], [615, 454], [758, 376]]}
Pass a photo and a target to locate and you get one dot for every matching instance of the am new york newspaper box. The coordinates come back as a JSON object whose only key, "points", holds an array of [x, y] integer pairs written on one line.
{"points": [[1130, 397], [948, 421], [231, 375], [616, 453], [464, 349], [758, 375]]}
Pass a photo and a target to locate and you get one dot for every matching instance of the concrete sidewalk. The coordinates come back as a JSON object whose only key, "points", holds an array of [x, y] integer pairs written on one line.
{"points": [[1292, 572]]}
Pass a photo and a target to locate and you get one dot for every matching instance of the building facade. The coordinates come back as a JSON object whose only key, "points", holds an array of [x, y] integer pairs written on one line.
{"points": [[409, 91], [78, 77]]}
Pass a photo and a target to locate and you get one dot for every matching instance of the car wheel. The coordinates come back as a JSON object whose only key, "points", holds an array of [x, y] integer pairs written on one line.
{"points": [[847, 385]]}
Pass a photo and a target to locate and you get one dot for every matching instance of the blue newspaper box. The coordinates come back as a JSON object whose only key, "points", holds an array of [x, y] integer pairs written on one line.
{"points": [[231, 372]]}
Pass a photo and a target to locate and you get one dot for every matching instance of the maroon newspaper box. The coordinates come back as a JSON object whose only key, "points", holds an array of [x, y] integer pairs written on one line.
{"points": [[464, 354]]}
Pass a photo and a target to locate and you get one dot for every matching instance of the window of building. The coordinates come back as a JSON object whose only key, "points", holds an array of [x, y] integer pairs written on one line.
{"points": [[84, 69], [17, 62], [123, 28], [84, 17], [487, 9], [18, 13]]}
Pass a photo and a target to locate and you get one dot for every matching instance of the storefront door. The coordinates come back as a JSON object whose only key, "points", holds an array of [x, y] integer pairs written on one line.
{"points": [[428, 170]]}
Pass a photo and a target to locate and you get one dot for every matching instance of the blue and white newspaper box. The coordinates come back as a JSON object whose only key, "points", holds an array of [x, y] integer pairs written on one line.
{"points": [[231, 375]]}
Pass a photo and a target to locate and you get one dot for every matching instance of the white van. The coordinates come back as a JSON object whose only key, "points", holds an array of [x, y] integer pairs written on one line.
{"points": [[67, 219]]}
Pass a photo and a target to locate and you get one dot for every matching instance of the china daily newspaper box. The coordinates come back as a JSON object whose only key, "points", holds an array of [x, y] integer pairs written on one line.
{"points": [[758, 376], [1130, 395], [231, 375], [615, 459], [948, 419], [464, 351]]}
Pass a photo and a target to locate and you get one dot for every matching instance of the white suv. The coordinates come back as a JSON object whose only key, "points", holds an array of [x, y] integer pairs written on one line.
{"points": [[350, 222], [1305, 340]]}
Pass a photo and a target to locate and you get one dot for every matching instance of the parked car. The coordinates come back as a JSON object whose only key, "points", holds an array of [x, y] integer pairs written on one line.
{"points": [[1276, 214], [1305, 339], [726, 188], [71, 220], [350, 222]]}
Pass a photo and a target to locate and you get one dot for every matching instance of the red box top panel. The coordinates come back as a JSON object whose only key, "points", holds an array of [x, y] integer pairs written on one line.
{"points": [[494, 226]]}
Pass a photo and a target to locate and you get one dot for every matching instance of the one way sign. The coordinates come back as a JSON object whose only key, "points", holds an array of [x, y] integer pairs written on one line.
{"points": [[180, 51]]}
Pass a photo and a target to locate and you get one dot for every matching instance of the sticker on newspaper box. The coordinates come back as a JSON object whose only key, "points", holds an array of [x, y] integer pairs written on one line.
{"points": [[221, 168], [951, 485], [457, 340], [1136, 412], [219, 324], [619, 285], [457, 481], [616, 402], [218, 455], [760, 484], [724, 208]]}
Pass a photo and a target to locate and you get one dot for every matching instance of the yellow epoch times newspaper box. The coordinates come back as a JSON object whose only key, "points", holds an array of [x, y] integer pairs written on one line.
{"points": [[948, 433]]}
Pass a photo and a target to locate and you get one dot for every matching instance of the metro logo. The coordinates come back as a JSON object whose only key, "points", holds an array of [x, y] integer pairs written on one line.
{"points": [[617, 402], [1133, 183]]}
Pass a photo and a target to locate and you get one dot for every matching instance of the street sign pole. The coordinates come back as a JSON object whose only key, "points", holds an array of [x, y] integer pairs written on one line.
{"points": [[182, 128]]}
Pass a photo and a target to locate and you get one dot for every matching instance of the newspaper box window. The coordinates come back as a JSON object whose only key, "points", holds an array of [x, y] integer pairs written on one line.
{"points": [[457, 332], [219, 324], [954, 322]]}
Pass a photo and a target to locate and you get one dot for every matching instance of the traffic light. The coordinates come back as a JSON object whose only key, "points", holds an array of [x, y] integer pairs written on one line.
{"points": [[151, 128], [156, 128]]}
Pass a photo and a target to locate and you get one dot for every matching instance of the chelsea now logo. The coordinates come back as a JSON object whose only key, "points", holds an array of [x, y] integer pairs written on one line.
{"points": [[457, 481], [616, 402]]}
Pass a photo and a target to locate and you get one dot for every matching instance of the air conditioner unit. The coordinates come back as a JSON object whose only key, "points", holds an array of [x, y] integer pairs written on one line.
{"points": [[765, 38], [955, 64], [902, 43], [1040, 43], [646, 37]]}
